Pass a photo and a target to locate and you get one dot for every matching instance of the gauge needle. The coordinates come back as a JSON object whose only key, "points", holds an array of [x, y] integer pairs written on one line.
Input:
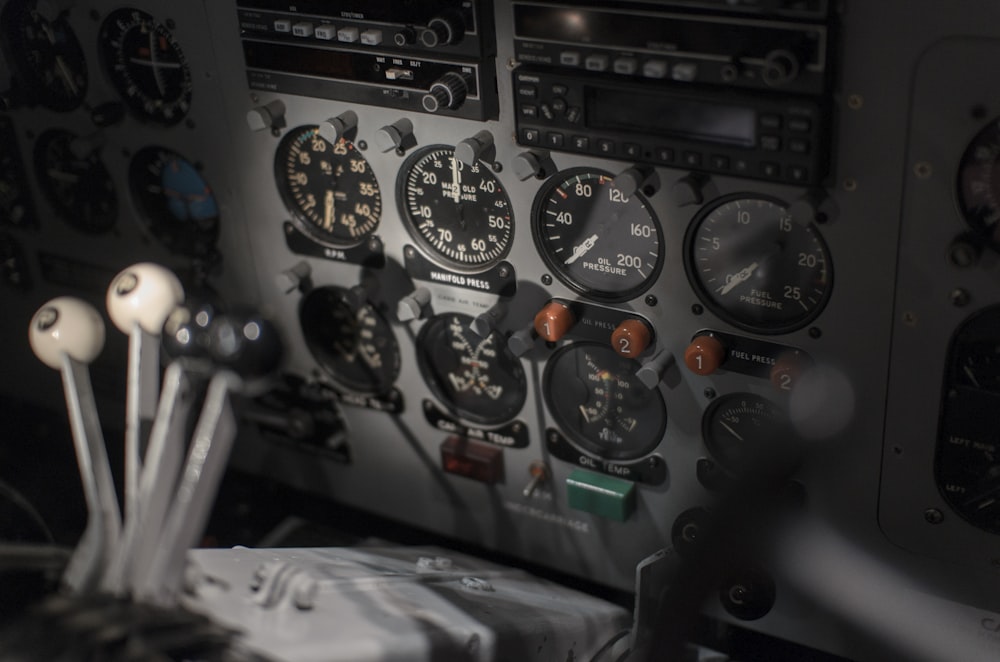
{"points": [[739, 277], [328, 210], [582, 249], [152, 59], [972, 377], [731, 430], [585, 414], [456, 180]]}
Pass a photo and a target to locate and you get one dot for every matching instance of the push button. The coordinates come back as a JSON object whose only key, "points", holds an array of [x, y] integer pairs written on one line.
{"points": [[597, 494]]}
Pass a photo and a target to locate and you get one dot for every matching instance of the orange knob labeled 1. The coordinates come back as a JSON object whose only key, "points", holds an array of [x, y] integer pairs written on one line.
{"points": [[554, 321], [631, 338], [704, 355]]}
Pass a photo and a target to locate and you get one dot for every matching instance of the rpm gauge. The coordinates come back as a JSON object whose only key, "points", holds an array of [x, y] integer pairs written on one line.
{"points": [[329, 187], [46, 55], [979, 183], [477, 378], [596, 239], [79, 189], [457, 212], [176, 201], [756, 267], [354, 344], [146, 65], [602, 406]]}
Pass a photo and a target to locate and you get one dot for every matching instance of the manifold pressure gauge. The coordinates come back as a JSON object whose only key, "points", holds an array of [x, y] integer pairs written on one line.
{"points": [[477, 378], [146, 65], [329, 187], [596, 239], [756, 267], [458, 213]]}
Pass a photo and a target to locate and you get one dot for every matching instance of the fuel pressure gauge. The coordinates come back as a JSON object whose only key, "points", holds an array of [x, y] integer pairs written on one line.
{"points": [[757, 267], [596, 239], [329, 187]]}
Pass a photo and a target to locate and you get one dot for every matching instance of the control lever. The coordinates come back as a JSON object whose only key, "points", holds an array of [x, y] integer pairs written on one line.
{"points": [[67, 334]]}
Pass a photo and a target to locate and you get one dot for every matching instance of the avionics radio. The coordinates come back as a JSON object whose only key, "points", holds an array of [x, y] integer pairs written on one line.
{"points": [[700, 90]]}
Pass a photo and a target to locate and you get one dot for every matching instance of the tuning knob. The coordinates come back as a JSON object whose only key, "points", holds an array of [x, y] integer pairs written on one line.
{"points": [[341, 126], [413, 305], [532, 164], [267, 117], [780, 67], [637, 179], [447, 92], [479, 146], [398, 135], [554, 321], [442, 30]]}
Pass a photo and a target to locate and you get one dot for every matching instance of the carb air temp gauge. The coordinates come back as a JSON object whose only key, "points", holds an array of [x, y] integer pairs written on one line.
{"points": [[756, 267], [596, 239], [458, 213], [329, 187]]}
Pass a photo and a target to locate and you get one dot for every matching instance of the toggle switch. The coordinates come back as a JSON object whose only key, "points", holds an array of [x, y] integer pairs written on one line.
{"points": [[652, 371], [269, 116], [540, 475], [398, 135], [479, 147], [486, 323], [638, 179], [344, 126], [521, 342]]}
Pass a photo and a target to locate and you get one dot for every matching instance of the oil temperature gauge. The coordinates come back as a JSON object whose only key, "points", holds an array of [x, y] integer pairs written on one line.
{"points": [[330, 188], [600, 404], [757, 267], [355, 345], [596, 239], [477, 378]]}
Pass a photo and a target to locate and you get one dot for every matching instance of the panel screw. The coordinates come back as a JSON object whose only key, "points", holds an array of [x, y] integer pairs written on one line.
{"points": [[959, 297], [546, 279], [933, 516], [651, 300], [909, 318], [855, 101], [923, 169], [710, 393]]}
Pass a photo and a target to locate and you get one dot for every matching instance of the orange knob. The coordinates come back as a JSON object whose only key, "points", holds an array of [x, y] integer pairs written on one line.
{"points": [[631, 338], [554, 321], [704, 355], [786, 371]]}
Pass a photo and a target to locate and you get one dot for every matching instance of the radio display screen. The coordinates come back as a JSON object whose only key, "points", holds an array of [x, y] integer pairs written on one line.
{"points": [[675, 117]]}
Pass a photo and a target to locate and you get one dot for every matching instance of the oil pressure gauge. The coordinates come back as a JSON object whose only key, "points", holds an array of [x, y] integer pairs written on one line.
{"points": [[329, 187], [458, 213], [757, 267]]}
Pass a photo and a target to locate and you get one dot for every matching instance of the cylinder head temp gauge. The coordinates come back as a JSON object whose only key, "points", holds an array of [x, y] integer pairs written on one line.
{"points": [[458, 213], [979, 184], [355, 345], [600, 404], [476, 378], [146, 65], [329, 187], [175, 200], [597, 240], [756, 267], [79, 189]]}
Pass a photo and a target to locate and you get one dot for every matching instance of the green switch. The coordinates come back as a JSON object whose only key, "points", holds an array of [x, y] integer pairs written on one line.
{"points": [[601, 495]]}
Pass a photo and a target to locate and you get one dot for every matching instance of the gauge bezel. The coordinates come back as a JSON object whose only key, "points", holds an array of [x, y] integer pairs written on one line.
{"points": [[298, 218], [136, 103], [719, 310], [392, 372], [425, 362], [713, 410], [411, 225], [606, 296], [579, 441], [197, 240]]}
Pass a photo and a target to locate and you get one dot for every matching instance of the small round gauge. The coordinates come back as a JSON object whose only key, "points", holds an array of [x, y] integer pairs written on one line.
{"points": [[46, 56], [596, 239], [756, 267], [330, 188], [175, 200], [354, 344], [146, 65], [79, 189], [457, 212], [979, 183], [477, 378], [738, 425], [600, 404]]}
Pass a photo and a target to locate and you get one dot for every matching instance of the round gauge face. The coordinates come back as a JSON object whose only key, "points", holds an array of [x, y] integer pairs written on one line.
{"points": [[476, 378], [47, 57], [738, 425], [756, 267], [176, 201], [354, 345], [458, 213], [979, 183], [329, 188], [79, 189], [146, 65], [600, 404], [597, 240]]}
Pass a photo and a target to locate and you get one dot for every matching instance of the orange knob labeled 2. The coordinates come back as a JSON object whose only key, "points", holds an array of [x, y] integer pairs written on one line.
{"points": [[631, 338], [554, 321], [704, 355]]}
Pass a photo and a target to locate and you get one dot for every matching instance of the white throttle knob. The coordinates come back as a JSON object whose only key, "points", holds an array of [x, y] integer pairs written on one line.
{"points": [[66, 325], [143, 294]]}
